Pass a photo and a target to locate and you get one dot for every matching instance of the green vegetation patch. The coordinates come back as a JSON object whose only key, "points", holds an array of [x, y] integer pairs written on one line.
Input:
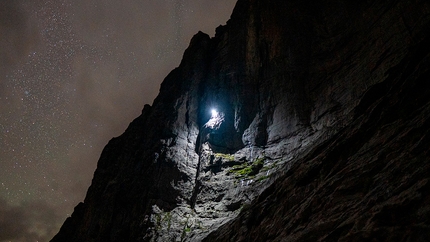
{"points": [[224, 156], [270, 167], [247, 170], [259, 162], [262, 178]]}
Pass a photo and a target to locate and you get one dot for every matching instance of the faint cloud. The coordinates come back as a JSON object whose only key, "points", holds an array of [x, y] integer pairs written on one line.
{"points": [[18, 34], [30, 221]]}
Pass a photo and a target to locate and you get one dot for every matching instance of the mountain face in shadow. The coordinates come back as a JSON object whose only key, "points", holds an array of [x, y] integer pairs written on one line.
{"points": [[299, 121]]}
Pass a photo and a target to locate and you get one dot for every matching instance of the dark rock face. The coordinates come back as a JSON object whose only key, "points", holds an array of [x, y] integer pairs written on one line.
{"points": [[369, 182], [321, 133]]}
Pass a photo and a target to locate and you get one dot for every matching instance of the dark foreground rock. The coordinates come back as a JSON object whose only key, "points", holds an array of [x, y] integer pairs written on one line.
{"points": [[369, 182], [321, 133]]}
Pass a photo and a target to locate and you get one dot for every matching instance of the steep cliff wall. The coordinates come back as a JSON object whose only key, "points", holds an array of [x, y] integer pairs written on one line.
{"points": [[305, 93]]}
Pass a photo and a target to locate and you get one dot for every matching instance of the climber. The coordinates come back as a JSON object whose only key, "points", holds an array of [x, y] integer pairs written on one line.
{"points": [[214, 113]]}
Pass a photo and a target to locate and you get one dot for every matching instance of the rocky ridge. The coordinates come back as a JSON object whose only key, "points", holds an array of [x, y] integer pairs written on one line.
{"points": [[320, 133]]}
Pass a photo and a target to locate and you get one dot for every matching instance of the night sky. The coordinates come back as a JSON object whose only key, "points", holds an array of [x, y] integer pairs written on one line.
{"points": [[74, 74]]}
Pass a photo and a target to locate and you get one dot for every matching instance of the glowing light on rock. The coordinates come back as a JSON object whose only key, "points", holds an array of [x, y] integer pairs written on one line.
{"points": [[216, 119]]}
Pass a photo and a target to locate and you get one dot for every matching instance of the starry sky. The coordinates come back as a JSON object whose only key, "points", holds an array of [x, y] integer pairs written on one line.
{"points": [[74, 74]]}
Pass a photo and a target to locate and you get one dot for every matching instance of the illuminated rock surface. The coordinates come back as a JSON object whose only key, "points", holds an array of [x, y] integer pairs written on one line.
{"points": [[322, 133]]}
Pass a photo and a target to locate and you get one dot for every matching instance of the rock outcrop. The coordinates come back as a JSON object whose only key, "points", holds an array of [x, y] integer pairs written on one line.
{"points": [[320, 131]]}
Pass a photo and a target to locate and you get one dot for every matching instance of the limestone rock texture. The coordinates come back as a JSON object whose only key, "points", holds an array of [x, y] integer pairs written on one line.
{"points": [[319, 132]]}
